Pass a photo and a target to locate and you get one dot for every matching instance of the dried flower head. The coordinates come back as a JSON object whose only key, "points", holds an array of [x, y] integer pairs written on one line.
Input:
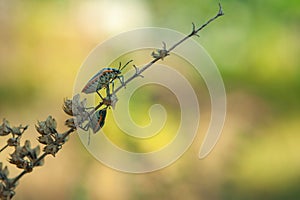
{"points": [[13, 141], [70, 123], [52, 149], [160, 53], [3, 172], [45, 139], [46, 127], [5, 128], [18, 130], [67, 107], [78, 107], [24, 156]]}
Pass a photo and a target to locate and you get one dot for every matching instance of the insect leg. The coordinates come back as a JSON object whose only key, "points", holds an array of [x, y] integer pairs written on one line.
{"points": [[107, 91], [85, 128], [113, 86], [89, 124], [121, 79], [99, 94], [89, 138]]}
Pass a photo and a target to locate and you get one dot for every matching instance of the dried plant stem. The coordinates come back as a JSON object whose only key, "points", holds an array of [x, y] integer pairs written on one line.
{"points": [[163, 53], [54, 140], [167, 51], [41, 157], [68, 132], [137, 74], [3, 148]]}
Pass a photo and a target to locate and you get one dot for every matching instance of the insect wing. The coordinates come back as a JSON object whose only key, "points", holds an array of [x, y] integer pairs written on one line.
{"points": [[103, 116], [94, 84], [98, 120]]}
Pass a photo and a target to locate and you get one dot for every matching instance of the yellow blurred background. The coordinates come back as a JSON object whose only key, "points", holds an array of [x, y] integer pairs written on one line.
{"points": [[256, 47]]}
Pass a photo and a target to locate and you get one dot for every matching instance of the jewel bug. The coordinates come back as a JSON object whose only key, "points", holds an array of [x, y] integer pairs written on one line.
{"points": [[103, 78], [96, 121]]}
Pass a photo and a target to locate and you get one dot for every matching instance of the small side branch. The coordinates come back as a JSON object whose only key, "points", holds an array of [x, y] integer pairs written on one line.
{"points": [[195, 31]]}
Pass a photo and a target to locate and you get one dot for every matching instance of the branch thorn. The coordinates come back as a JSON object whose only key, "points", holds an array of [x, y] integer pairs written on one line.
{"points": [[137, 71], [220, 13], [194, 32]]}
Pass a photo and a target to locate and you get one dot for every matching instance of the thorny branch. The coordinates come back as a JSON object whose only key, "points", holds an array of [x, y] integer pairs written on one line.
{"points": [[111, 98], [26, 158], [161, 53]]}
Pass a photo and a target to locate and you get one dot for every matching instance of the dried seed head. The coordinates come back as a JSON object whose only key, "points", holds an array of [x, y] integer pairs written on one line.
{"points": [[40, 163], [76, 98], [45, 139], [50, 122], [4, 173], [41, 128], [17, 157], [67, 107], [21, 163], [7, 194], [13, 141], [23, 156], [80, 119], [12, 183], [33, 153], [5, 128], [160, 53], [26, 148], [46, 127], [16, 130], [60, 138], [78, 106], [14, 157], [52, 149], [28, 166], [70, 123]]}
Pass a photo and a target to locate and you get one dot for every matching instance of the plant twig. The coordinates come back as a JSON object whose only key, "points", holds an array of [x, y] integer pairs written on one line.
{"points": [[53, 140], [41, 157], [165, 52], [3, 148], [160, 54]]}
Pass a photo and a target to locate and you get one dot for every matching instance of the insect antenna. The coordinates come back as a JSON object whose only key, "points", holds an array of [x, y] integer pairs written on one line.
{"points": [[89, 137], [121, 68]]}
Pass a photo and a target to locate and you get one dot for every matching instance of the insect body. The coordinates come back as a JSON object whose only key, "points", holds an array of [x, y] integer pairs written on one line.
{"points": [[103, 78], [96, 121]]}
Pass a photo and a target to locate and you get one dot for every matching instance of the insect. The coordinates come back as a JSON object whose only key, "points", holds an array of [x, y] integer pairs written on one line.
{"points": [[96, 121], [103, 78]]}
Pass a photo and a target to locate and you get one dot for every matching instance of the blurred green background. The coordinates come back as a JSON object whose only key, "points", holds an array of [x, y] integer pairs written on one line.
{"points": [[256, 47]]}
